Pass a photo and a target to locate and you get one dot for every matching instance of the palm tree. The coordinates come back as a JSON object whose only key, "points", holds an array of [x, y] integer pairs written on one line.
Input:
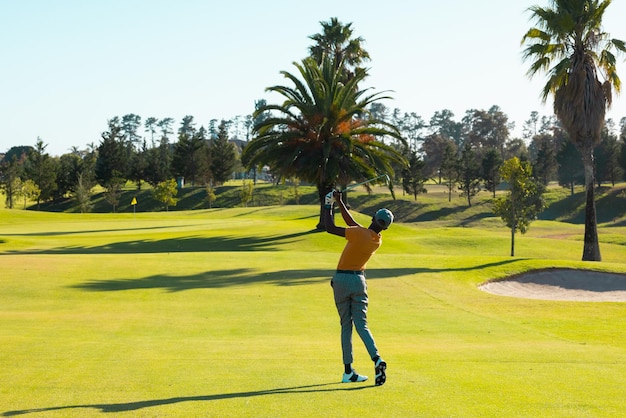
{"points": [[336, 43], [568, 43], [323, 132]]}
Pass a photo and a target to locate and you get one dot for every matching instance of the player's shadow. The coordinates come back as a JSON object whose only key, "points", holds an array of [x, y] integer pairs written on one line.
{"points": [[217, 279], [134, 406], [88, 231]]}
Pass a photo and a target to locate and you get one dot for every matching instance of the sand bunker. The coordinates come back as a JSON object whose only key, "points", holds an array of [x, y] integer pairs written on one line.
{"points": [[562, 284]]}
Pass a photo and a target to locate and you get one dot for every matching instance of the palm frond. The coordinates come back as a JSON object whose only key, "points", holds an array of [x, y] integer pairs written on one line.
{"points": [[318, 133], [618, 44]]}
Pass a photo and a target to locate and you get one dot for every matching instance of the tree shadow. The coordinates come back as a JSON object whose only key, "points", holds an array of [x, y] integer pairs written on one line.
{"points": [[435, 214], [475, 218], [134, 406], [179, 244], [373, 274], [218, 279], [618, 223], [89, 231]]}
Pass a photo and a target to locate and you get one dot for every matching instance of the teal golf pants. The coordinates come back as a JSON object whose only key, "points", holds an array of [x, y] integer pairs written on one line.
{"points": [[350, 291]]}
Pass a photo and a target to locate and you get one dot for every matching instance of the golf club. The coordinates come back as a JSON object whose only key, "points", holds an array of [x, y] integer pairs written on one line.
{"points": [[352, 186]]}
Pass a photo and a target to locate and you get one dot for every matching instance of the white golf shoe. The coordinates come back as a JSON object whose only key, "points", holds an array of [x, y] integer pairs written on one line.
{"points": [[353, 377]]}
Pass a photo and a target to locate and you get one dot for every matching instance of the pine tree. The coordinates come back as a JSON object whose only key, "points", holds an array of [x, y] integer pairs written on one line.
{"points": [[223, 155]]}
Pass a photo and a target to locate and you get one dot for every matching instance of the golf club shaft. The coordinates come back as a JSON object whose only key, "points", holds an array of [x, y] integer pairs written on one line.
{"points": [[352, 186]]}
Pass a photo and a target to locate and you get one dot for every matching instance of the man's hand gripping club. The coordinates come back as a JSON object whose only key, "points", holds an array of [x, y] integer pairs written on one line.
{"points": [[329, 199]]}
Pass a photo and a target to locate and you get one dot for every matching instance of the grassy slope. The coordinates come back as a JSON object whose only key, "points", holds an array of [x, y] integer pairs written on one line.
{"points": [[228, 312], [432, 206]]}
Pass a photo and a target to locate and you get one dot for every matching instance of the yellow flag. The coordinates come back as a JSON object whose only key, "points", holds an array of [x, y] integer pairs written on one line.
{"points": [[134, 201]]}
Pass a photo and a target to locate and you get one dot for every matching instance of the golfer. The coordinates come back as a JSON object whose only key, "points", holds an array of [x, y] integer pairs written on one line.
{"points": [[349, 285]]}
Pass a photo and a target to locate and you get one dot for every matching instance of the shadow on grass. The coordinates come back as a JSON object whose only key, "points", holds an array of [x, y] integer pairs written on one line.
{"points": [[467, 222], [134, 406], [175, 245], [90, 231], [436, 214], [241, 277]]}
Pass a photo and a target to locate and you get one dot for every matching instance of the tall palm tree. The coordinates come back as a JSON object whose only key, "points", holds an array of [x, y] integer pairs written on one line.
{"points": [[569, 44], [336, 43], [323, 133]]}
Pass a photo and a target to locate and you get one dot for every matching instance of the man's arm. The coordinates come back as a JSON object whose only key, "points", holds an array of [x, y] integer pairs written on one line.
{"points": [[329, 218], [345, 213], [329, 223]]}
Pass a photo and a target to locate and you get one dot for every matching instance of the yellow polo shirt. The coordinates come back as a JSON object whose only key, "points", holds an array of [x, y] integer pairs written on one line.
{"points": [[362, 244]]}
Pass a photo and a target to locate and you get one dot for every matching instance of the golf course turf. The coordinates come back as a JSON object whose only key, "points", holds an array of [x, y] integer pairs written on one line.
{"points": [[229, 312]]}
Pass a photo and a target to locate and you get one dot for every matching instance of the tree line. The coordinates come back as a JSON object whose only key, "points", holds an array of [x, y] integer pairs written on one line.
{"points": [[464, 155], [467, 155], [199, 156]]}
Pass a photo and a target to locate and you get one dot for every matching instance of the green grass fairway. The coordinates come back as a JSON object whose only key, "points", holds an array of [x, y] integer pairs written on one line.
{"points": [[229, 313]]}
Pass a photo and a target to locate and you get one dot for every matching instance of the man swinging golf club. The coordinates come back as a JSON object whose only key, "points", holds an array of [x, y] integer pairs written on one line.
{"points": [[349, 285]]}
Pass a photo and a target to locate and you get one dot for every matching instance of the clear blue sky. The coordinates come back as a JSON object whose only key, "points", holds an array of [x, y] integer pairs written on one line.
{"points": [[70, 65]]}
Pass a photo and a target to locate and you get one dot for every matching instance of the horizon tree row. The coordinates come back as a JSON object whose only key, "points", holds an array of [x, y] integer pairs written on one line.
{"points": [[31, 173]]}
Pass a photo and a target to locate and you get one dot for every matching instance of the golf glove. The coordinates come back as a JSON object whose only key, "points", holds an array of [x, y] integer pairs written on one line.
{"points": [[329, 200]]}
